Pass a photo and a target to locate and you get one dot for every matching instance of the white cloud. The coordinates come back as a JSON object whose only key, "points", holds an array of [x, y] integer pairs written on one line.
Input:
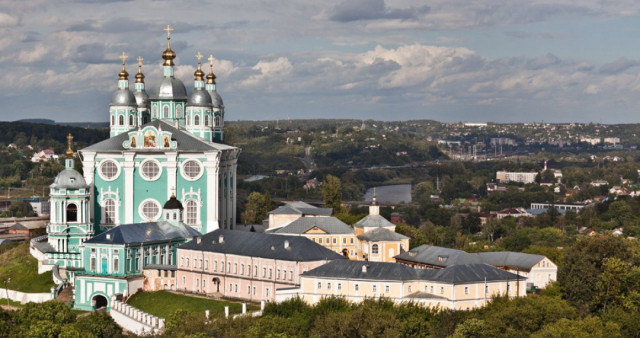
{"points": [[269, 71]]}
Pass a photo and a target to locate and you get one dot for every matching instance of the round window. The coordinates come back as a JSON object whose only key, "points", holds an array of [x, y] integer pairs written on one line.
{"points": [[191, 169], [150, 170], [109, 170], [150, 210]]}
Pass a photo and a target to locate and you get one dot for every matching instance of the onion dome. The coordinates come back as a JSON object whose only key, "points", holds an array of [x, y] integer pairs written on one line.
{"points": [[216, 100], [123, 75], [142, 99], [169, 88], [173, 204], [168, 55], [199, 97], [211, 78], [69, 179], [123, 97]]}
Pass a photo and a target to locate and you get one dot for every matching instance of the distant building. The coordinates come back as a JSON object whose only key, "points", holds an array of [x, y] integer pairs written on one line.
{"points": [[537, 270], [559, 206], [291, 211], [460, 287], [599, 183], [41, 207], [590, 140], [44, 155], [522, 177], [247, 265]]}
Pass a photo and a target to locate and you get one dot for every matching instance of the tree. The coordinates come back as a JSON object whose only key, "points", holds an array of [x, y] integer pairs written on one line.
{"points": [[332, 193], [256, 208]]}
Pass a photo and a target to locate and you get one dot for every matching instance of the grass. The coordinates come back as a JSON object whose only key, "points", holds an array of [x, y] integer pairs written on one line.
{"points": [[18, 264], [163, 304]]}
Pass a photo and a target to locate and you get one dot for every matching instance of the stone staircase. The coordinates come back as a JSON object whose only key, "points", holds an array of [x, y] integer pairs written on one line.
{"points": [[66, 295]]}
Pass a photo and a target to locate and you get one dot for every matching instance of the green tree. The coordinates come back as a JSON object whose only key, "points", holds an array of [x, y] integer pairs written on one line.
{"points": [[332, 193], [257, 207]]}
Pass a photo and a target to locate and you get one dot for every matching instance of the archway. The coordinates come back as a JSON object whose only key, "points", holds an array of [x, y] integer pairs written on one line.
{"points": [[216, 281], [98, 302], [72, 213]]}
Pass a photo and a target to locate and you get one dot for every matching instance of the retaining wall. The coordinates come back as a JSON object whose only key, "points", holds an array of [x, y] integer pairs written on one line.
{"points": [[135, 320]]}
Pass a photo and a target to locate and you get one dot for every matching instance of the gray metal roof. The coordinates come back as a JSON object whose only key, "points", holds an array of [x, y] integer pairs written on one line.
{"points": [[216, 99], [510, 259], [372, 221], [187, 142], [123, 97], [330, 225], [169, 267], [144, 232], [142, 99], [69, 179], [199, 98], [438, 256], [169, 88], [464, 273], [381, 235], [301, 208], [253, 244]]}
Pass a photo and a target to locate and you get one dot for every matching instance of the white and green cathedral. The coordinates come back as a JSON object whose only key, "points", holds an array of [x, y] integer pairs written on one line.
{"points": [[163, 177]]}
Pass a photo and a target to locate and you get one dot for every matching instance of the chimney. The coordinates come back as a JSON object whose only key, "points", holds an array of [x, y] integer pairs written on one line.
{"points": [[198, 239], [286, 244], [364, 269], [221, 239]]}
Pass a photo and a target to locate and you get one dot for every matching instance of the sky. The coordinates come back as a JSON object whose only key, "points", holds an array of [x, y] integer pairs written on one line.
{"points": [[446, 60]]}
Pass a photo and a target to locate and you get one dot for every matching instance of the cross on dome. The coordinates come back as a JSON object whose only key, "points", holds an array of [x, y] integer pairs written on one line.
{"points": [[139, 61], [168, 29], [123, 75], [211, 58], [123, 57], [199, 57]]}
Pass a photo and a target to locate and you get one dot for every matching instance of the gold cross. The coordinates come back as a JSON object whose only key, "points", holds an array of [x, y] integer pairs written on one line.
{"points": [[199, 57], [211, 58], [139, 61], [123, 57], [168, 29]]}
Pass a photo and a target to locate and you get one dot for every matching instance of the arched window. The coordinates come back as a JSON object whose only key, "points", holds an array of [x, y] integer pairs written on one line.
{"points": [[206, 120], [113, 120], [131, 120], [155, 111], [191, 207], [374, 249], [178, 111], [196, 120], [217, 121], [109, 211], [72, 213], [121, 120], [165, 112]]}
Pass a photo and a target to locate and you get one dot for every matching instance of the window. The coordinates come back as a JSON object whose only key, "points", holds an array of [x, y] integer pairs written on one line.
{"points": [[264, 272], [235, 268], [215, 265], [191, 169], [184, 280], [255, 270], [108, 170], [230, 287], [116, 266], [278, 274], [154, 111], [508, 287], [192, 212], [431, 288], [357, 287], [374, 249], [113, 120], [335, 240], [284, 272], [181, 261], [165, 111], [374, 288], [267, 292], [217, 120], [150, 210], [206, 120], [204, 283], [178, 111], [339, 286], [187, 262], [328, 285], [344, 240], [93, 263], [236, 288], [254, 290], [121, 120], [386, 288], [486, 289], [466, 290], [270, 273], [249, 289], [229, 267], [442, 290], [319, 285], [131, 120], [351, 240], [109, 211], [320, 240], [72, 213], [290, 274], [242, 269], [150, 170], [196, 120]]}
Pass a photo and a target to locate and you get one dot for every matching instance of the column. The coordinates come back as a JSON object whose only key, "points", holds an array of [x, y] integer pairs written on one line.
{"points": [[129, 168], [88, 167], [171, 166], [212, 165]]}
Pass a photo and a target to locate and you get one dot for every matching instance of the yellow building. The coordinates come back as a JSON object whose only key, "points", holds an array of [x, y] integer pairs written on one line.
{"points": [[460, 287]]}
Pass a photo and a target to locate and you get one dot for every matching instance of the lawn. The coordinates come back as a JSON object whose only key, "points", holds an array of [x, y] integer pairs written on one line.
{"points": [[18, 264], [163, 303]]}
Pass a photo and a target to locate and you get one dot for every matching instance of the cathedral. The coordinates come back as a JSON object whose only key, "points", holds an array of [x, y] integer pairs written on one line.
{"points": [[163, 177]]}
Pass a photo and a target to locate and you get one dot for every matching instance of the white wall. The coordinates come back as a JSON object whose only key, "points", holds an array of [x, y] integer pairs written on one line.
{"points": [[24, 298]]}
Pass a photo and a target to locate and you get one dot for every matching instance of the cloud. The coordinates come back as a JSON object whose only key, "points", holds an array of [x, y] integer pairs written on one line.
{"points": [[7, 20], [269, 71], [356, 10], [618, 66]]}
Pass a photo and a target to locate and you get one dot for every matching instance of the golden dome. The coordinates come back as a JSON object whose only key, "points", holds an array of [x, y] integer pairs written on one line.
{"points": [[69, 146], [199, 74], [123, 75], [140, 76], [211, 78], [168, 55]]}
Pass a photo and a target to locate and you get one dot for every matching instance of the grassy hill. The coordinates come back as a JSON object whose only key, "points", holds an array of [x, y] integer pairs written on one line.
{"points": [[18, 264]]}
